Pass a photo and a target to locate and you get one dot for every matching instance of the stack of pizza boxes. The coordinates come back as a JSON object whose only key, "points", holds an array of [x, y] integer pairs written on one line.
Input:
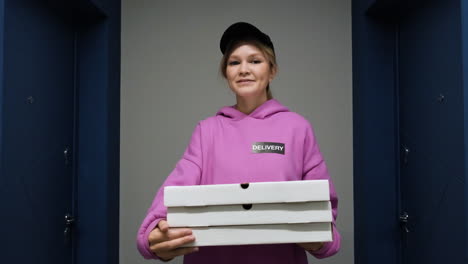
{"points": [[252, 213]]}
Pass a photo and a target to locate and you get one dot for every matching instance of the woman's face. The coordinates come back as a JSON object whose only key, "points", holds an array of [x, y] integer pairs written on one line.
{"points": [[248, 71]]}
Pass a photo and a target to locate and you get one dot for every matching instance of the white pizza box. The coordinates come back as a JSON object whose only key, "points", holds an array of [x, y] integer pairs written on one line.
{"points": [[261, 234], [247, 193], [250, 214]]}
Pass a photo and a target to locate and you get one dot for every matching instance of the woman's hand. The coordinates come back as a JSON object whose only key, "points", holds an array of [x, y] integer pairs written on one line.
{"points": [[313, 246], [165, 242]]}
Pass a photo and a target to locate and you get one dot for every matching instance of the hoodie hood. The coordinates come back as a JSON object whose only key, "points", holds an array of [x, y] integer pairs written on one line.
{"points": [[267, 109]]}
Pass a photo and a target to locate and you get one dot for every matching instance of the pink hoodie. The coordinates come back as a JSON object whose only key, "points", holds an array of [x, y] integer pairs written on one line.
{"points": [[221, 152]]}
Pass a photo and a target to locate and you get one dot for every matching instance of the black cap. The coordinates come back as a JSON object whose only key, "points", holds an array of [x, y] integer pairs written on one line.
{"points": [[243, 31]]}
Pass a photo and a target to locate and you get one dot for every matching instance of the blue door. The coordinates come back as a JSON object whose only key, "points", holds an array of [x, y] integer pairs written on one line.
{"points": [[431, 134], [39, 123], [59, 131], [410, 106]]}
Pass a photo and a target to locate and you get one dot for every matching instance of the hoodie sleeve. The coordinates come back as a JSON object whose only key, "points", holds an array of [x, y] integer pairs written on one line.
{"points": [[186, 172], [314, 168]]}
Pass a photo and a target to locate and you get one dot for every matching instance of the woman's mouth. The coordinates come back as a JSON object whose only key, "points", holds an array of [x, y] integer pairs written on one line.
{"points": [[245, 81]]}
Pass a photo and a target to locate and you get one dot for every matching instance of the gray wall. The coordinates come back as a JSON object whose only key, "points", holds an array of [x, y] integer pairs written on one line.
{"points": [[170, 81]]}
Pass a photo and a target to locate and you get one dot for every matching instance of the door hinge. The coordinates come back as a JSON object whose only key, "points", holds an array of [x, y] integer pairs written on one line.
{"points": [[405, 154], [69, 223], [404, 222], [67, 156]]}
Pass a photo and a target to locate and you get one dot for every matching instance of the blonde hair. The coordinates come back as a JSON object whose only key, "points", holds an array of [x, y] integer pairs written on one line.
{"points": [[267, 52]]}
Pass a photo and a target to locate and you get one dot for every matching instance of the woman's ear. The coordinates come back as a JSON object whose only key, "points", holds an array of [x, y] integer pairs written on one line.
{"points": [[273, 73]]}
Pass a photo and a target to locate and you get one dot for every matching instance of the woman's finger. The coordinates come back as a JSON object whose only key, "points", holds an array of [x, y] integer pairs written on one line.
{"points": [[172, 244], [178, 232], [163, 226], [313, 246], [156, 236]]}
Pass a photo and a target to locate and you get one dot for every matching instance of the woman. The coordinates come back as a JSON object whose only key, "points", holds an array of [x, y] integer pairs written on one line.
{"points": [[222, 151]]}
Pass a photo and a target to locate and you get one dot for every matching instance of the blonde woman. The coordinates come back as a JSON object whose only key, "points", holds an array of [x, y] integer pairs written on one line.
{"points": [[230, 148]]}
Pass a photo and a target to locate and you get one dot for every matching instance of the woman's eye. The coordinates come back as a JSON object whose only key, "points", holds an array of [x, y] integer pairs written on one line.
{"points": [[233, 63], [256, 61]]}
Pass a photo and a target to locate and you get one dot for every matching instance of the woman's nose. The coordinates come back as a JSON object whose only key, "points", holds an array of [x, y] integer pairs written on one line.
{"points": [[244, 68]]}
